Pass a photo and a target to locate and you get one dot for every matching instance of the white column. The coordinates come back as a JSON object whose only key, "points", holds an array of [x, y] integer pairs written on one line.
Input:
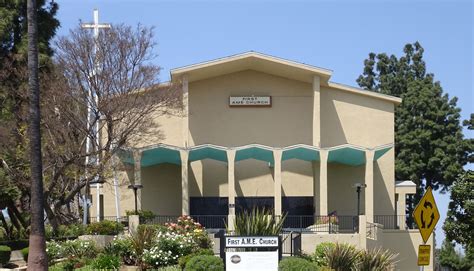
{"points": [[369, 181], [137, 177], [185, 111], [316, 111], [277, 181], [323, 183], [401, 207], [184, 182], [231, 187]]}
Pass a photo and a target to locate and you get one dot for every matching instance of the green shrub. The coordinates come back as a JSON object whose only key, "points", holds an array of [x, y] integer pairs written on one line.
{"points": [[170, 268], [122, 247], [341, 257], [377, 260], [156, 228], [54, 250], [320, 252], [79, 249], [144, 215], [72, 264], [205, 263], [104, 228], [296, 264], [182, 261], [259, 221], [15, 244], [5, 253], [24, 253], [105, 261], [71, 230]]}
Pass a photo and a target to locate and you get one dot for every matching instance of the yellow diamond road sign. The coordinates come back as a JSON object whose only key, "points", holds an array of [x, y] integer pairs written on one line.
{"points": [[426, 214]]}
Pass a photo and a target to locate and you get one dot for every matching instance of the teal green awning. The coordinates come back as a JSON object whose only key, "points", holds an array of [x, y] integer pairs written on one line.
{"points": [[160, 155], [258, 153], [380, 152], [301, 153], [207, 152], [347, 155], [126, 156]]}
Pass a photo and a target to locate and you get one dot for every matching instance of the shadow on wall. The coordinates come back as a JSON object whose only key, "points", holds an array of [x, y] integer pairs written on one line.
{"points": [[383, 198], [342, 196], [161, 191], [253, 178], [332, 132], [214, 178]]}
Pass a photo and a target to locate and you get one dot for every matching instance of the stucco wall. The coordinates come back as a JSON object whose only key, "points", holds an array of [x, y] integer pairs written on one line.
{"points": [[348, 118], [345, 118], [406, 243], [309, 241], [287, 122]]}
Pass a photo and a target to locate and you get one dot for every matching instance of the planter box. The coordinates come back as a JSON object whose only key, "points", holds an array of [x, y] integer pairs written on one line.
{"points": [[100, 240], [333, 228]]}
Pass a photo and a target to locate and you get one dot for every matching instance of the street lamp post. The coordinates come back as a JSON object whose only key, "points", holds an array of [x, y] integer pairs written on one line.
{"points": [[135, 187], [358, 187]]}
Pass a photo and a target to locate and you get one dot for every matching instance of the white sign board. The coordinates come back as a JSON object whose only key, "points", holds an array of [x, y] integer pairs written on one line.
{"points": [[252, 261], [251, 241], [264, 101]]}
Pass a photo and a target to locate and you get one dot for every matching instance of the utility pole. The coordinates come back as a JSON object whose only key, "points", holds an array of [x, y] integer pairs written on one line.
{"points": [[93, 98]]}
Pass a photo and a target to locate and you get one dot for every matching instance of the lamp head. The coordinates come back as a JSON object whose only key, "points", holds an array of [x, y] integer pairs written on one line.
{"points": [[135, 186], [359, 185]]}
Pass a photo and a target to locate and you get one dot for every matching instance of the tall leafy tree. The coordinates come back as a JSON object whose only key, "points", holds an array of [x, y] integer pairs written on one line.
{"points": [[449, 257], [13, 87], [459, 225], [429, 145], [37, 258]]}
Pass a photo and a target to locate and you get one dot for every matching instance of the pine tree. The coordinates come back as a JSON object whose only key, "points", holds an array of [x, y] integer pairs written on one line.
{"points": [[429, 145]]}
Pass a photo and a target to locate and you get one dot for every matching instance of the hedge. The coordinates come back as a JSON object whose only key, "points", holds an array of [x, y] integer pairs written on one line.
{"points": [[205, 263], [5, 253]]}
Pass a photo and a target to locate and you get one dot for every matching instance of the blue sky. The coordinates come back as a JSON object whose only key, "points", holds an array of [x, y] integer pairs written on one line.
{"points": [[337, 35]]}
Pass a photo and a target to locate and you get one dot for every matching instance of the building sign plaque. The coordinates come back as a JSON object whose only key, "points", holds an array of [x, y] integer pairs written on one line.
{"points": [[252, 101], [252, 261], [251, 241]]}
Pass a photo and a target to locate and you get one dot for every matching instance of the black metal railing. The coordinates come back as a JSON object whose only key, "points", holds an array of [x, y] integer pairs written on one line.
{"points": [[329, 224], [207, 221], [394, 222], [291, 243], [160, 219], [211, 221], [122, 219]]}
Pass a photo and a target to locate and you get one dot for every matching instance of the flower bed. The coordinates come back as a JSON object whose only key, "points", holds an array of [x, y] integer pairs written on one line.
{"points": [[150, 247]]}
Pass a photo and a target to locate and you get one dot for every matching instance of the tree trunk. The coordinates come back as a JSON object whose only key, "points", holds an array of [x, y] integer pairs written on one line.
{"points": [[53, 219], [37, 257], [12, 207], [5, 224]]}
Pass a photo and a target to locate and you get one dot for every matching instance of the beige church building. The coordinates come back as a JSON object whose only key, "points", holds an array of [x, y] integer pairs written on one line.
{"points": [[258, 130]]}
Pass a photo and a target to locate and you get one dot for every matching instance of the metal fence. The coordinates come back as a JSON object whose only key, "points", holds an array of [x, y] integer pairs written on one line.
{"points": [[291, 243], [393, 222], [160, 219], [122, 219], [211, 221], [329, 224], [207, 221]]}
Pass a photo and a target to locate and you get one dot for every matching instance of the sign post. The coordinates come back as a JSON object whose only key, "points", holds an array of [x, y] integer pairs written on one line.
{"points": [[426, 216], [247, 253]]}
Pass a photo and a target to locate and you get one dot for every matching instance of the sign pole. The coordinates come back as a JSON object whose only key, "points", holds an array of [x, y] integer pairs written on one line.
{"points": [[426, 216]]}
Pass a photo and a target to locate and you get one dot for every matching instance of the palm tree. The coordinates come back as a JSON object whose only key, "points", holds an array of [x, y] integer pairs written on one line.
{"points": [[37, 258]]}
